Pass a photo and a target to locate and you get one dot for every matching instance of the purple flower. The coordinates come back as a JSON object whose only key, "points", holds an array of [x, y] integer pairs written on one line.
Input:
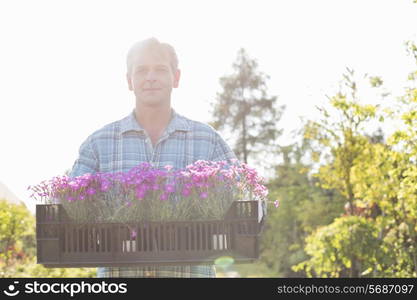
{"points": [[105, 186], [91, 191], [203, 195], [169, 188], [186, 192], [140, 194], [73, 185], [203, 178]]}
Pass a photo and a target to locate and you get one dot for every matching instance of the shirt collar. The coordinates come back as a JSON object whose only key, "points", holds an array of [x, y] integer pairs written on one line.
{"points": [[177, 122]]}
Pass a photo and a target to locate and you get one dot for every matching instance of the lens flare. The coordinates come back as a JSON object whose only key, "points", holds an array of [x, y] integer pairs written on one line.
{"points": [[224, 262]]}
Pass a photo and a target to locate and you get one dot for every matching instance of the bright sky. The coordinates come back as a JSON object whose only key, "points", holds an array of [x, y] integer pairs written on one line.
{"points": [[62, 63]]}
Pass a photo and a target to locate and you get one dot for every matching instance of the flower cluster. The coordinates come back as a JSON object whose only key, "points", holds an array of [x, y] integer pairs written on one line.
{"points": [[204, 189], [85, 187]]}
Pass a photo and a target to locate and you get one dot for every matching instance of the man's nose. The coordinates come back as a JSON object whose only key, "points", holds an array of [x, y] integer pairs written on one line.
{"points": [[151, 76]]}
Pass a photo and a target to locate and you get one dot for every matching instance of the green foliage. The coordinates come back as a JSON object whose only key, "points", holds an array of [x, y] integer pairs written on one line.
{"points": [[18, 246], [303, 207], [244, 108], [375, 233], [377, 236], [375, 81], [30, 269], [342, 138], [336, 247], [16, 227]]}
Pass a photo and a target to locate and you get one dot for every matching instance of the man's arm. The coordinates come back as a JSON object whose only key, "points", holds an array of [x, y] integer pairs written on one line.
{"points": [[222, 150], [87, 161]]}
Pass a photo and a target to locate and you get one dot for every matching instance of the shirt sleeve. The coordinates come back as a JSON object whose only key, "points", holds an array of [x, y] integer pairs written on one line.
{"points": [[87, 161], [222, 150]]}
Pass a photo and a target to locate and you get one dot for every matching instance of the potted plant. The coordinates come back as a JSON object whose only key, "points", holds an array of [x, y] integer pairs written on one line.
{"points": [[195, 208]]}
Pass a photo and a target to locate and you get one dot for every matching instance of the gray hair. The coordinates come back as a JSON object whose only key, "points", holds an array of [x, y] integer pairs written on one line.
{"points": [[152, 44]]}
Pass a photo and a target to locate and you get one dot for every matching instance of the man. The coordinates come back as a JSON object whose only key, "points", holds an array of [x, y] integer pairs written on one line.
{"points": [[152, 133]]}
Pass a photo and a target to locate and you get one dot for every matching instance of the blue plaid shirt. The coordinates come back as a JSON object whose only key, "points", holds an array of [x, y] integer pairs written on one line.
{"points": [[122, 145]]}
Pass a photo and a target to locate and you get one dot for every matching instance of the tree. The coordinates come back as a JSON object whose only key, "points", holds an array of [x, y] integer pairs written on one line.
{"points": [[303, 207], [342, 139], [244, 108], [377, 235], [18, 247], [387, 178], [16, 226], [332, 247]]}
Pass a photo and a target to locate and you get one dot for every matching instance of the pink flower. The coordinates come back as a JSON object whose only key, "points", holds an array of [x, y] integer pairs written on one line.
{"points": [[169, 188], [91, 191], [202, 178], [186, 192], [168, 167], [140, 194], [73, 185], [104, 187], [276, 203]]}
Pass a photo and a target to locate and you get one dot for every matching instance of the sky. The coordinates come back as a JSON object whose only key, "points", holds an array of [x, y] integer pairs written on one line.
{"points": [[62, 63]]}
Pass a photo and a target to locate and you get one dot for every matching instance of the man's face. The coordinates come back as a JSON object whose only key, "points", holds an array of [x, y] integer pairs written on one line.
{"points": [[151, 78]]}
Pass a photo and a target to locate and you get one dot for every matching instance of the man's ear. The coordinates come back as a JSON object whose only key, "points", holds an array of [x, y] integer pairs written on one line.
{"points": [[129, 81], [177, 76]]}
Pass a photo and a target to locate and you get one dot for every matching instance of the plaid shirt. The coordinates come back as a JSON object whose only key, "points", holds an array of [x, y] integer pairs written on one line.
{"points": [[122, 145]]}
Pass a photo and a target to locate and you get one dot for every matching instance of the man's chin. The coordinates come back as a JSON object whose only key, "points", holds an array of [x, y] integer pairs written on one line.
{"points": [[151, 102]]}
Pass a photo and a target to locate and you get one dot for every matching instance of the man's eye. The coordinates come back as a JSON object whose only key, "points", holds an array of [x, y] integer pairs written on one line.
{"points": [[141, 70]]}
